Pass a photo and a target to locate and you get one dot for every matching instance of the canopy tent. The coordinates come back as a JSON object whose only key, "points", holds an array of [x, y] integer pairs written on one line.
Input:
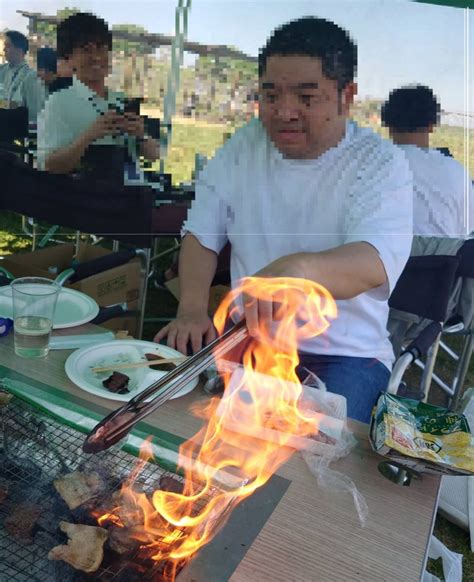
{"points": [[453, 3]]}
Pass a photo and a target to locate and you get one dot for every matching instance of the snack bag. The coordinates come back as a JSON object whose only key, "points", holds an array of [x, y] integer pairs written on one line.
{"points": [[421, 436]]}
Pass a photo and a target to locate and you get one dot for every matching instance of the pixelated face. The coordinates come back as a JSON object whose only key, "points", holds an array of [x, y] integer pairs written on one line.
{"points": [[301, 109], [90, 63], [11, 53], [46, 76]]}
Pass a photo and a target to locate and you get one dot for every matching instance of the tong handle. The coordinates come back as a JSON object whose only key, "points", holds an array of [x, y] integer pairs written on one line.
{"points": [[105, 434]]}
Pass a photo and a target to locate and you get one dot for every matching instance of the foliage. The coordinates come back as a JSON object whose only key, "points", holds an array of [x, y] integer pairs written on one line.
{"points": [[47, 30], [130, 47]]}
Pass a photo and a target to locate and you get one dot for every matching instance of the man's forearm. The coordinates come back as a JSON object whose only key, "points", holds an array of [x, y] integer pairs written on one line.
{"points": [[197, 267], [345, 271], [68, 158]]}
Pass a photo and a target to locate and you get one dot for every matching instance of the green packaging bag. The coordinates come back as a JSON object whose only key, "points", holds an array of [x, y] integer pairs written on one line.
{"points": [[421, 436]]}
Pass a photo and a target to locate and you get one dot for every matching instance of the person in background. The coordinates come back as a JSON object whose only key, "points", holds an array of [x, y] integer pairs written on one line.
{"points": [[84, 114], [442, 189], [304, 192], [19, 84], [46, 66]]}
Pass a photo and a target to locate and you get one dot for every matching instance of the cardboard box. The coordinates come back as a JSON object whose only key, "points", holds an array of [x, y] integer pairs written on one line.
{"points": [[216, 294], [117, 285]]}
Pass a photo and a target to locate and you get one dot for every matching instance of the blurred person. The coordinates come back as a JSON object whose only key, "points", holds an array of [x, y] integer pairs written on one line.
{"points": [[20, 86], [46, 66], [441, 204], [304, 192], [86, 114]]}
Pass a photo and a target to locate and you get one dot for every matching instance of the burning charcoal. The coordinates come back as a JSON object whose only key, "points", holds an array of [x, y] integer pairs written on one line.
{"points": [[167, 367], [168, 483], [21, 521], [117, 383], [76, 488], [85, 547], [120, 540]]}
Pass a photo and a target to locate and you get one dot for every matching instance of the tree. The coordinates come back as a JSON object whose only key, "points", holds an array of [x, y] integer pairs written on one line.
{"points": [[130, 47], [47, 30]]}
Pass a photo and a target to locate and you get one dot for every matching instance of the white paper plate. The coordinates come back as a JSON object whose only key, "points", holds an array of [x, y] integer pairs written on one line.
{"points": [[80, 363], [73, 307]]}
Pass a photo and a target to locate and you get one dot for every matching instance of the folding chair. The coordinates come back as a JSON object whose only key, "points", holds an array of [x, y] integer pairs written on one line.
{"points": [[423, 290], [461, 324]]}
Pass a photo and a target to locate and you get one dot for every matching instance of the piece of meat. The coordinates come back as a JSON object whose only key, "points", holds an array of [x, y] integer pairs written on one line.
{"points": [[167, 367], [76, 488], [121, 540], [85, 547], [21, 521], [168, 483], [117, 383]]}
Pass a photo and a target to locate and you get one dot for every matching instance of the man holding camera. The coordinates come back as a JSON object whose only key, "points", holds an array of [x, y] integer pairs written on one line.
{"points": [[85, 113]]}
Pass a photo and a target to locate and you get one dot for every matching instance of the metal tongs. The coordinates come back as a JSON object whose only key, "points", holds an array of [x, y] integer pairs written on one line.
{"points": [[118, 424]]}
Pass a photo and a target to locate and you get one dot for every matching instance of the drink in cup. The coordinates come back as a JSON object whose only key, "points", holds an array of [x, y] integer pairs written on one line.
{"points": [[34, 303]]}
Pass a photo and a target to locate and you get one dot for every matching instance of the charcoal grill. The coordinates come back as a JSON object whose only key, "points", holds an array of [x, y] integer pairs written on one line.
{"points": [[34, 450]]}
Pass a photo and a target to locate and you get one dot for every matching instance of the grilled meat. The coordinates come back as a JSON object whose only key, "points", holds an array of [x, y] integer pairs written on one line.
{"points": [[85, 547], [76, 488], [121, 540], [21, 521], [168, 483], [117, 383], [152, 357]]}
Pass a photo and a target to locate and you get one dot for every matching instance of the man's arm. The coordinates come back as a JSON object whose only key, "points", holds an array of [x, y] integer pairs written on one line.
{"points": [[197, 266], [67, 158], [345, 271]]}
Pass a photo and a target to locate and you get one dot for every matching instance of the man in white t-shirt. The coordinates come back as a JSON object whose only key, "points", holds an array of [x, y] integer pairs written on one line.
{"points": [[443, 198], [85, 113], [303, 192]]}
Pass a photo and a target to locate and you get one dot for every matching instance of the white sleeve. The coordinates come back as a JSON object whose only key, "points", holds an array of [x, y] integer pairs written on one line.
{"points": [[53, 130], [380, 212], [208, 215], [34, 95]]}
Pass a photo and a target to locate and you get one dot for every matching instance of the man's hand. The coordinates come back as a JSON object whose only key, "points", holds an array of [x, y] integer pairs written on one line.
{"points": [[134, 125], [110, 123], [189, 325], [260, 313]]}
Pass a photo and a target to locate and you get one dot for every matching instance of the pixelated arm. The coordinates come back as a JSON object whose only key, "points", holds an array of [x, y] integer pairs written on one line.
{"points": [[67, 158], [197, 267]]}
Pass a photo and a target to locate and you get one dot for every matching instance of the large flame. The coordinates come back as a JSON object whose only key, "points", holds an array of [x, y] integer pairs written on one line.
{"points": [[229, 464]]}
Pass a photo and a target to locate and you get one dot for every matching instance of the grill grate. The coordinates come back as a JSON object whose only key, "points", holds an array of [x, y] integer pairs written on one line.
{"points": [[34, 450]]}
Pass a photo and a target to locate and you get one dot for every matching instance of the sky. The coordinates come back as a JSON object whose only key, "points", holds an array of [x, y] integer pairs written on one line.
{"points": [[399, 41]]}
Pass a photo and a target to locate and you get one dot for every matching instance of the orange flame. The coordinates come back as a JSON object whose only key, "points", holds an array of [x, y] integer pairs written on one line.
{"points": [[229, 464]]}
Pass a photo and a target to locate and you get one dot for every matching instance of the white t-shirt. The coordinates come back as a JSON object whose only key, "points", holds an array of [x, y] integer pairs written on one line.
{"points": [[442, 192], [68, 113], [268, 207]]}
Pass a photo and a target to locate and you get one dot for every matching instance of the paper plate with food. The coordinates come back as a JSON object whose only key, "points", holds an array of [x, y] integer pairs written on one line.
{"points": [[121, 369]]}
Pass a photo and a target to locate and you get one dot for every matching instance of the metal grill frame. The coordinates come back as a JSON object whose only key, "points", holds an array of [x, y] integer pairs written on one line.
{"points": [[34, 450]]}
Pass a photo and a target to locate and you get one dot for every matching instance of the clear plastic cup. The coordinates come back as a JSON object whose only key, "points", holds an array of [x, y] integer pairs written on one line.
{"points": [[34, 304]]}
